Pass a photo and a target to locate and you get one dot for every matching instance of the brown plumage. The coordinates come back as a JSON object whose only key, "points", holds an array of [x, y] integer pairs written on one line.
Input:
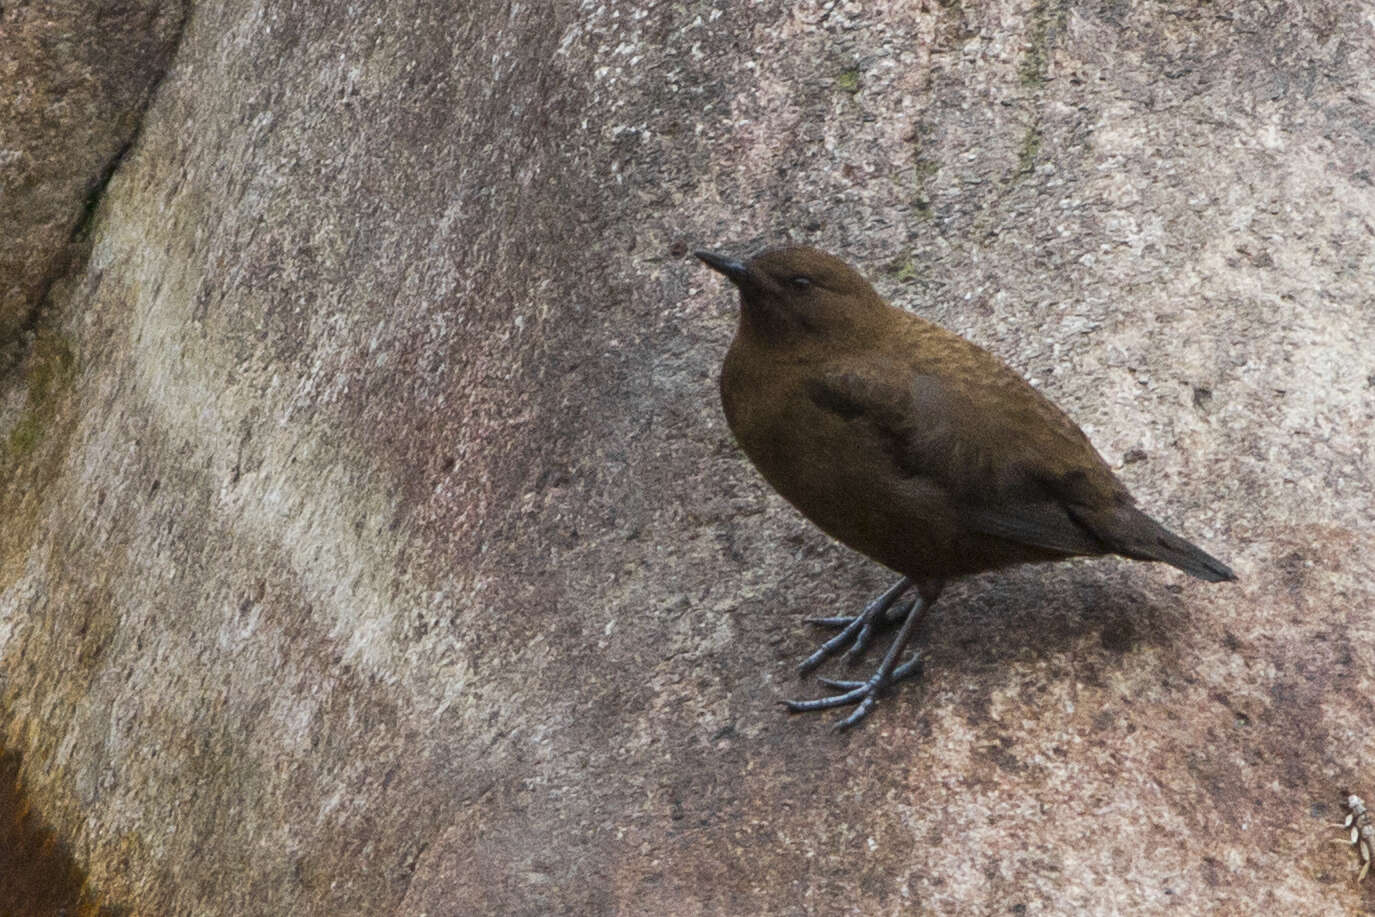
{"points": [[913, 446]]}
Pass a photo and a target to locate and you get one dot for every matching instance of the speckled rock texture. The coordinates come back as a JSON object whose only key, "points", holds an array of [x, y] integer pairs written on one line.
{"points": [[374, 542], [76, 76]]}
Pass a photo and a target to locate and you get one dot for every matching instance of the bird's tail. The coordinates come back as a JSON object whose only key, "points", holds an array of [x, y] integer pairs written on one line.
{"points": [[1140, 537]]}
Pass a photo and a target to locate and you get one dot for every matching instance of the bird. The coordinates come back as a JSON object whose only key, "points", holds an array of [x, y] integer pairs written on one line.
{"points": [[914, 447]]}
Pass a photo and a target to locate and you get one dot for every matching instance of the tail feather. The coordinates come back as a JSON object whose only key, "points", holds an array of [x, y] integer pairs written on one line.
{"points": [[1133, 534], [1188, 557]]}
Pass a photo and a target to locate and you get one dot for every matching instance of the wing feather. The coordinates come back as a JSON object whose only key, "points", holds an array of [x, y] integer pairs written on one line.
{"points": [[1003, 481]]}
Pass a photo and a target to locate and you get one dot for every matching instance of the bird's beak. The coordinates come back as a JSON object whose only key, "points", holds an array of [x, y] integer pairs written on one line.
{"points": [[735, 271]]}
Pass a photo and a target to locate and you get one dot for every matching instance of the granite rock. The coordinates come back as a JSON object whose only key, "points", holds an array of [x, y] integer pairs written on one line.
{"points": [[375, 543]]}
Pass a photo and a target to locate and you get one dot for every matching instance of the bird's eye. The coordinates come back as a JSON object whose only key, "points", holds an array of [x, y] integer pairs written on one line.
{"points": [[800, 282]]}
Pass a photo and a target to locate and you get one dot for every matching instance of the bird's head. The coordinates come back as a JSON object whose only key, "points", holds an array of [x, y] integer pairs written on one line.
{"points": [[798, 291]]}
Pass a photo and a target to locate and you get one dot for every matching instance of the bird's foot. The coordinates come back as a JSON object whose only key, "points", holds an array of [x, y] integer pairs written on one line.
{"points": [[856, 633], [864, 694], [861, 631]]}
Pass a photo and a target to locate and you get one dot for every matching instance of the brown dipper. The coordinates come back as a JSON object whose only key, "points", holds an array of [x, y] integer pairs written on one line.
{"points": [[913, 446]]}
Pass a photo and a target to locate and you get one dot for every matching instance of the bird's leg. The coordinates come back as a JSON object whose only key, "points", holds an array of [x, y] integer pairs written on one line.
{"points": [[894, 615], [866, 693], [855, 632]]}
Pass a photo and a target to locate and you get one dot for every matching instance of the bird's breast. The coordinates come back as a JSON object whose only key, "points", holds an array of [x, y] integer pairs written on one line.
{"points": [[818, 461]]}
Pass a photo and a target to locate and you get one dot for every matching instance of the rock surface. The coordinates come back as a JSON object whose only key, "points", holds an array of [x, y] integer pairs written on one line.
{"points": [[77, 76], [374, 543]]}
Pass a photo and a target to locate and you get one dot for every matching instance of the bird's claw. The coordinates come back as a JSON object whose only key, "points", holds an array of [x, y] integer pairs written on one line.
{"points": [[857, 633], [864, 694], [854, 637], [909, 669], [831, 646], [887, 617], [841, 622]]}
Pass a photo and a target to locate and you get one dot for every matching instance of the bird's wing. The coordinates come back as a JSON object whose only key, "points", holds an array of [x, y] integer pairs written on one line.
{"points": [[1014, 468]]}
